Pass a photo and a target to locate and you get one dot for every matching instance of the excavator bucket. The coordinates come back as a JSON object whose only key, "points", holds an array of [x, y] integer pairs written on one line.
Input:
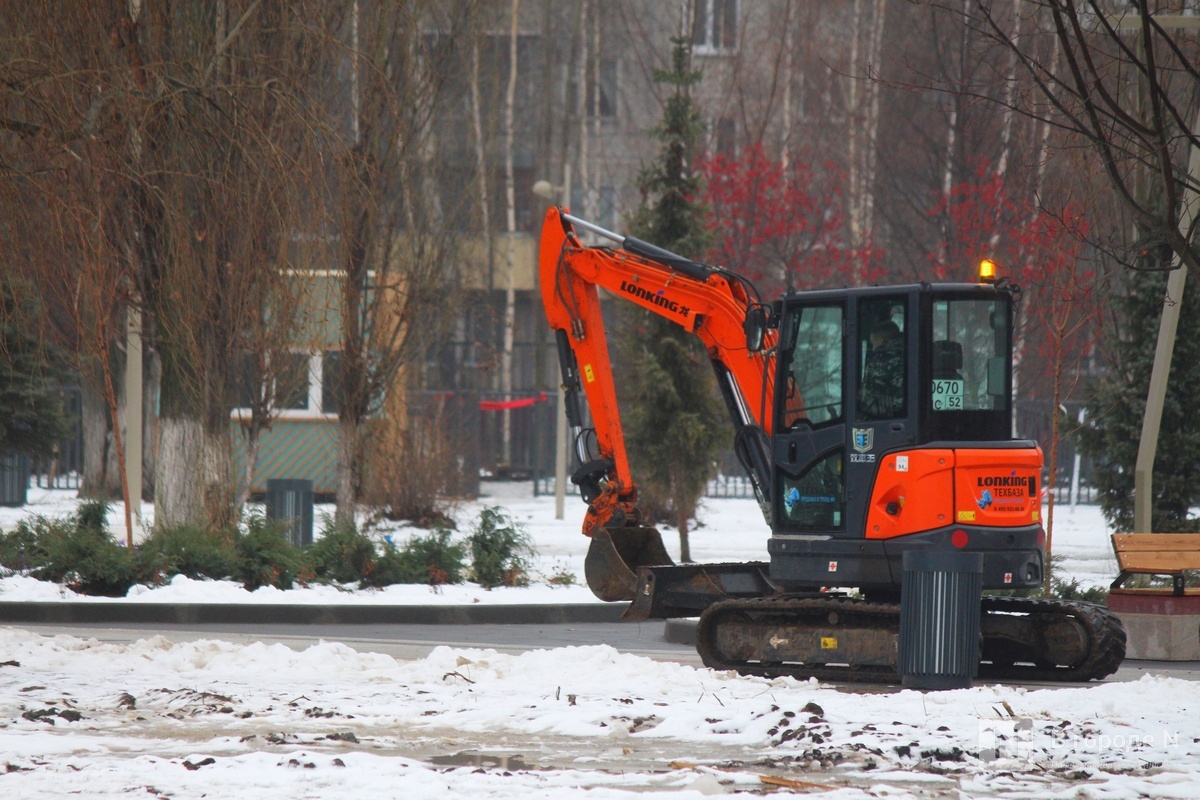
{"points": [[614, 557]]}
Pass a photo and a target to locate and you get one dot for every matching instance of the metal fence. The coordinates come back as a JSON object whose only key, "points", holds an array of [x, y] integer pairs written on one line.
{"points": [[731, 479], [64, 468], [491, 434], [511, 435], [1033, 421]]}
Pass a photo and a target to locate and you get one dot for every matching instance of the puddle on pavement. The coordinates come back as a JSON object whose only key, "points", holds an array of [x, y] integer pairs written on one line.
{"points": [[503, 762]]}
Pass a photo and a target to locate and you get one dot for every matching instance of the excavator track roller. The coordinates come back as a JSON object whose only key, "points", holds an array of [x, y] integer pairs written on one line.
{"points": [[840, 638]]}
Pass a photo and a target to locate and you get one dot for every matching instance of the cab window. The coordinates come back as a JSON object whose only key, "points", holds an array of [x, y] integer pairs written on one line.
{"points": [[813, 382], [882, 358], [814, 500], [968, 356]]}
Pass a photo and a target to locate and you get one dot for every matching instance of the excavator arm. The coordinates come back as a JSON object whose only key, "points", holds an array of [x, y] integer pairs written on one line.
{"points": [[714, 304]]}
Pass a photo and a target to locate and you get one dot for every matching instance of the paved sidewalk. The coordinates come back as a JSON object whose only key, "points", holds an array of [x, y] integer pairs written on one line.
{"points": [[303, 614]]}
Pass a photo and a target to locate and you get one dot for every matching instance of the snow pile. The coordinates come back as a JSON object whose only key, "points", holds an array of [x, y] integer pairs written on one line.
{"points": [[218, 720]]}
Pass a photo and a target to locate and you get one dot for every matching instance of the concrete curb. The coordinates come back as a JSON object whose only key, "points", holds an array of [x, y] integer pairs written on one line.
{"points": [[680, 631], [198, 613]]}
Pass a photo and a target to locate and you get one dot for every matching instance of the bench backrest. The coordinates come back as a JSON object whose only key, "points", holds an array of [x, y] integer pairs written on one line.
{"points": [[1157, 553]]}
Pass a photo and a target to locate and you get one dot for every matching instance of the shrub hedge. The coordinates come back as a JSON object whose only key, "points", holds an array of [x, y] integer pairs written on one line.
{"points": [[80, 553]]}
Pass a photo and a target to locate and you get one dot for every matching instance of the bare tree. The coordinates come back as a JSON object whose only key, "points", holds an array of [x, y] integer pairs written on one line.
{"points": [[169, 140], [62, 179], [865, 52], [1128, 86], [393, 241], [227, 147]]}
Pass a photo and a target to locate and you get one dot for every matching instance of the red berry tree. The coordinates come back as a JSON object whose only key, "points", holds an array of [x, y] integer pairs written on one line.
{"points": [[781, 225]]}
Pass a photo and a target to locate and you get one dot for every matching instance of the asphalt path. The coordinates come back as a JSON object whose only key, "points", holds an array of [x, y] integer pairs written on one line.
{"points": [[648, 639], [402, 641]]}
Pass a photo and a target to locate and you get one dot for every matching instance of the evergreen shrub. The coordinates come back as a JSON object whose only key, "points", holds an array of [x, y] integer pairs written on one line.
{"points": [[433, 559], [501, 550], [188, 550], [266, 557], [79, 553], [342, 554], [20, 550]]}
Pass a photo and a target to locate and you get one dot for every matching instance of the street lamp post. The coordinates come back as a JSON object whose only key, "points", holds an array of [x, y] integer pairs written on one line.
{"points": [[548, 191]]}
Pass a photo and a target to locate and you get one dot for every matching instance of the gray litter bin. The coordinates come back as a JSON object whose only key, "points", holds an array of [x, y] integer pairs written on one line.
{"points": [[14, 480], [939, 618], [292, 500]]}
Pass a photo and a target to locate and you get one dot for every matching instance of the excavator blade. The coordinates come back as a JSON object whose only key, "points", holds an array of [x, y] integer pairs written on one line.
{"points": [[686, 590], [614, 557]]}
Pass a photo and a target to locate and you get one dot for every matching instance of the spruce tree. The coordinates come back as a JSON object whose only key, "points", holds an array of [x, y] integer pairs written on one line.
{"points": [[32, 420], [1117, 402], [673, 417]]}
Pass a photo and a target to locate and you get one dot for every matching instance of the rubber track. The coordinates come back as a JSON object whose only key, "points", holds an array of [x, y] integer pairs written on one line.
{"points": [[1106, 641], [884, 617], [1105, 633]]}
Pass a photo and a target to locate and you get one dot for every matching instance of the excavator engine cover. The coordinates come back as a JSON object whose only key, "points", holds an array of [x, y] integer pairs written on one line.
{"points": [[614, 557]]}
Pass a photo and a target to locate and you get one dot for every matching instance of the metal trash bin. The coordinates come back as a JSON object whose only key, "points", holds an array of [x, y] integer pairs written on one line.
{"points": [[292, 500], [14, 480], [939, 619]]}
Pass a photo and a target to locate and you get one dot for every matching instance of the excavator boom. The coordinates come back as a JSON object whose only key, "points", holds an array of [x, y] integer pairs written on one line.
{"points": [[712, 303]]}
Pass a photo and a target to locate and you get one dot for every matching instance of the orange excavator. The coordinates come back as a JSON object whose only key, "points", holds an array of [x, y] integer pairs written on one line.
{"points": [[870, 421]]}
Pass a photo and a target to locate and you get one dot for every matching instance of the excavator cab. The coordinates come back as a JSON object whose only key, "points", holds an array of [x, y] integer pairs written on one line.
{"points": [[893, 431]]}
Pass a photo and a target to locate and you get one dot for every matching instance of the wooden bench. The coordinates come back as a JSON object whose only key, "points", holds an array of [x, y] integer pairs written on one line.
{"points": [[1155, 554]]}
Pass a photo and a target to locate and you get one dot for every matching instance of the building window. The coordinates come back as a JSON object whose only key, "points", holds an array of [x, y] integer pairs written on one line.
{"points": [[725, 137], [300, 386], [331, 382], [714, 26], [292, 382], [608, 207], [604, 106]]}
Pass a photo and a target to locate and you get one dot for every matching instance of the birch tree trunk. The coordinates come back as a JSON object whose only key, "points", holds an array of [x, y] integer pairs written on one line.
{"points": [[1039, 180], [585, 175], [510, 202], [854, 176], [1006, 127], [481, 164], [591, 184], [871, 128], [864, 110], [785, 135], [955, 97]]}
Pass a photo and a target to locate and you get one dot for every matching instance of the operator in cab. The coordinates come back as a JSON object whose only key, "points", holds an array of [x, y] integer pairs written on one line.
{"points": [[881, 395]]}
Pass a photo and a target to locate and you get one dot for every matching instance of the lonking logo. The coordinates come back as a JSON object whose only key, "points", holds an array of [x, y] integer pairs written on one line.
{"points": [[656, 298], [1008, 485]]}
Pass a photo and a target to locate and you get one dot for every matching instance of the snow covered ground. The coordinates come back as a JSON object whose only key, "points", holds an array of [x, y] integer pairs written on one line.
{"points": [[215, 720], [157, 719]]}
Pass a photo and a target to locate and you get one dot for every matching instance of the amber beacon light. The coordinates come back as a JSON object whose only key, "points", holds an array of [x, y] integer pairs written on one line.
{"points": [[987, 271]]}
